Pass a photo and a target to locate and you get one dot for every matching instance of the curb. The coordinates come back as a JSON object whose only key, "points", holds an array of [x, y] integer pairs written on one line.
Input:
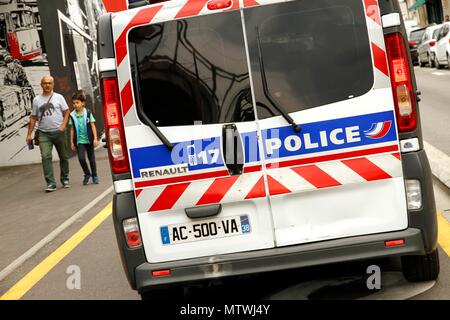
{"points": [[439, 162]]}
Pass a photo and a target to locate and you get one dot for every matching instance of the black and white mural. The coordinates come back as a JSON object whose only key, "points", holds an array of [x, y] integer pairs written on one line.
{"points": [[39, 37]]}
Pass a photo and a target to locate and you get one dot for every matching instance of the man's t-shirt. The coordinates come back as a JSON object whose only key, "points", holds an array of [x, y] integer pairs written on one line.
{"points": [[82, 136], [53, 112]]}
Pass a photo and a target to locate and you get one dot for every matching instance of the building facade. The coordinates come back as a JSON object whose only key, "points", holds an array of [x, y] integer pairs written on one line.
{"points": [[424, 12], [37, 38]]}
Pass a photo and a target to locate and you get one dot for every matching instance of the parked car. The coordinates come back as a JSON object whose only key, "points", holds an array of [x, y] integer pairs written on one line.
{"points": [[426, 50], [415, 38], [433, 49], [442, 56]]}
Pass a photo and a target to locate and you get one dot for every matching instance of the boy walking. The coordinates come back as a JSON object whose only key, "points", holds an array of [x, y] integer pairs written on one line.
{"points": [[83, 136]]}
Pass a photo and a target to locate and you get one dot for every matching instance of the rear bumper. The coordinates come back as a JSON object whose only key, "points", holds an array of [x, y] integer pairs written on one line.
{"points": [[350, 249]]}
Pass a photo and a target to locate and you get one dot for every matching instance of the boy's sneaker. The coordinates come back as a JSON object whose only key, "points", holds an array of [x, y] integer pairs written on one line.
{"points": [[66, 184], [50, 188], [86, 179], [95, 179]]}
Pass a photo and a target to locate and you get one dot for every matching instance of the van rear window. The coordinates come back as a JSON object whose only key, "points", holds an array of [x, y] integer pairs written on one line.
{"points": [[314, 53], [192, 71], [195, 70]]}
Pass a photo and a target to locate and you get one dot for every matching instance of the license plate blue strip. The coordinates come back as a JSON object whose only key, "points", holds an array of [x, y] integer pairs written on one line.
{"points": [[165, 235]]}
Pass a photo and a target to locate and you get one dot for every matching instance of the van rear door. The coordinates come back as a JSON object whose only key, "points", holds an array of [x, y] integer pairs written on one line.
{"points": [[190, 78], [324, 62]]}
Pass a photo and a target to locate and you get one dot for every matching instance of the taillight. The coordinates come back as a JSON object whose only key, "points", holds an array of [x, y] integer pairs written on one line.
{"points": [[114, 126], [394, 243], [162, 273], [132, 234], [219, 4], [432, 43], [404, 99], [412, 43]]}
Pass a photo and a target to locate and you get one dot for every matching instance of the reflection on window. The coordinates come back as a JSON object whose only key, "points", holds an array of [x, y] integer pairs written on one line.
{"points": [[192, 70], [314, 53]]}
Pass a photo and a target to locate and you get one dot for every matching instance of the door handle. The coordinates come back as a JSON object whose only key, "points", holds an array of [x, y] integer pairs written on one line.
{"points": [[232, 149], [203, 211]]}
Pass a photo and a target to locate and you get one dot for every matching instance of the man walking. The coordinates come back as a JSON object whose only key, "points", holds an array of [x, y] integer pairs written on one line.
{"points": [[52, 113]]}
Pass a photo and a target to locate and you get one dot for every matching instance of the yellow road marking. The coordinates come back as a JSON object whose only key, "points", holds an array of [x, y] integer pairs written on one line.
{"points": [[444, 233], [42, 269]]}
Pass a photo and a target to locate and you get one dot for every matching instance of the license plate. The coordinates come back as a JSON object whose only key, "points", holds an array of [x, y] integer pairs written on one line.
{"points": [[205, 230]]}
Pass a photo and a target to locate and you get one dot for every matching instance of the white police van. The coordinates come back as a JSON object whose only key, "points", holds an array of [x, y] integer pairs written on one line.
{"points": [[257, 135]]}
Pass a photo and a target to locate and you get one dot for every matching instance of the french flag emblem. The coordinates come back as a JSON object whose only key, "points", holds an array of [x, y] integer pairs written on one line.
{"points": [[378, 130]]}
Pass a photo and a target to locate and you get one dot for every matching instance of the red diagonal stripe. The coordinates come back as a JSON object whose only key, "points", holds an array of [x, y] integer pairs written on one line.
{"points": [[276, 187], [373, 10], [138, 192], [191, 8], [379, 59], [397, 155], [217, 190], [115, 5], [144, 16], [316, 176], [126, 96], [234, 6], [169, 197], [250, 3], [366, 169], [258, 191]]}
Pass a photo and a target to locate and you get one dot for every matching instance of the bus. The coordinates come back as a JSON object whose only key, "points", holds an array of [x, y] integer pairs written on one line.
{"points": [[20, 34]]}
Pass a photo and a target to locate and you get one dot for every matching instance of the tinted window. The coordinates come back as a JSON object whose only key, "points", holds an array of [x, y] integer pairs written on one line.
{"points": [[416, 35], [192, 70], [436, 34], [314, 53], [445, 31]]}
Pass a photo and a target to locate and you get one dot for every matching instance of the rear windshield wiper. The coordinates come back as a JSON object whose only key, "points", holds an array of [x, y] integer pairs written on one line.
{"points": [[285, 115], [144, 117]]}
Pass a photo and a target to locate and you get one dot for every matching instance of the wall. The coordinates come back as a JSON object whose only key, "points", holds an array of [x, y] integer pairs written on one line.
{"points": [[63, 34], [446, 6]]}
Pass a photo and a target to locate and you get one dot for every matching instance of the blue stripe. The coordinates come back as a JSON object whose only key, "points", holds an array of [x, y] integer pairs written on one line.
{"points": [[314, 137]]}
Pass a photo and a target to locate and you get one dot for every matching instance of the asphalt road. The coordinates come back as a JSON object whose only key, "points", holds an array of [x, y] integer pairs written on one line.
{"points": [[435, 106]]}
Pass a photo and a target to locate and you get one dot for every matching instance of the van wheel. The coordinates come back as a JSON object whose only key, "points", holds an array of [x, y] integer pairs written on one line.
{"points": [[421, 268], [166, 294]]}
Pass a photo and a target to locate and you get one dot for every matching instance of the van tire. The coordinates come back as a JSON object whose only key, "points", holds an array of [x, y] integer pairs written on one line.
{"points": [[421, 268], [164, 294]]}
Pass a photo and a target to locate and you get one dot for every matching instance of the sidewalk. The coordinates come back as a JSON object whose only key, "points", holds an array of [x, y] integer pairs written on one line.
{"points": [[28, 214]]}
